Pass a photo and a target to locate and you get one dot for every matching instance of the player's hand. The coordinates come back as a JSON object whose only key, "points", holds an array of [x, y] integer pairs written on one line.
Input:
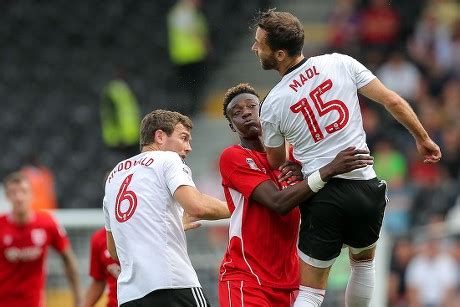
{"points": [[190, 222], [291, 172], [429, 150], [346, 161]]}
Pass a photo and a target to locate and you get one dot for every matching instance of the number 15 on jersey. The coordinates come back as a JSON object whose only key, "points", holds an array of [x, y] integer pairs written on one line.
{"points": [[322, 108]]}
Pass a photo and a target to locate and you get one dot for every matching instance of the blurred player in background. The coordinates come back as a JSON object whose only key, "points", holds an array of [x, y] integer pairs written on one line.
{"points": [[25, 235], [261, 266], [315, 108], [104, 270], [145, 198]]}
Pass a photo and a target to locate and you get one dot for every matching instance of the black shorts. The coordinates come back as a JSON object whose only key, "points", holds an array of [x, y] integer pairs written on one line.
{"points": [[343, 212], [187, 297]]}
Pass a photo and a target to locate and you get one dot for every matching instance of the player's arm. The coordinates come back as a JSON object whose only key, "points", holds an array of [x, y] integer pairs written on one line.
{"points": [[276, 155], [70, 267], [94, 292], [268, 194], [200, 205], [111, 245], [404, 114]]}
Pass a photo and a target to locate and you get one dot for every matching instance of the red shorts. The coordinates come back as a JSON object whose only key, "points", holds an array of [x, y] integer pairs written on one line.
{"points": [[236, 293]]}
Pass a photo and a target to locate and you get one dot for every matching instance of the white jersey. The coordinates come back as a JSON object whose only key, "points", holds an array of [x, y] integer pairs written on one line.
{"points": [[146, 223], [315, 108]]}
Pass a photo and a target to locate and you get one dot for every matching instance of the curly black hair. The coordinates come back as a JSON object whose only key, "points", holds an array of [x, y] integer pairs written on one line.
{"points": [[234, 91]]}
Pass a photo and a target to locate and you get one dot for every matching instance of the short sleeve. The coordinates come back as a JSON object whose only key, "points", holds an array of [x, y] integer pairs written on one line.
{"points": [[177, 173], [96, 267], [241, 171], [360, 74], [106, 214], [271, 135], [59, 239]]}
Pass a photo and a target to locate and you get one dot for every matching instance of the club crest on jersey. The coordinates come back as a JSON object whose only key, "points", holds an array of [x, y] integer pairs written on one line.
{"points": [[7, 239], [38, 236], [253, 165]]}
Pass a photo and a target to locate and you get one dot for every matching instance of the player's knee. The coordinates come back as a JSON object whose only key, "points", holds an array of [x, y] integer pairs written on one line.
{"points": [[362, 254]]}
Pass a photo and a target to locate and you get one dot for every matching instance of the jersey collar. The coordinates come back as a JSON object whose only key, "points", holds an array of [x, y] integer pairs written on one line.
{"points": [[295, 66]]}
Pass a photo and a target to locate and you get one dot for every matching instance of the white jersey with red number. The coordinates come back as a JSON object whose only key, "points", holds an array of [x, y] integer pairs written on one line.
{"points": [[146, 223], [23, 250], [315, 107]]}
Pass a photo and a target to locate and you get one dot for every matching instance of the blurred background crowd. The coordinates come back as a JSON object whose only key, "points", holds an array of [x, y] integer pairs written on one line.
{"points": [[76, 77]]}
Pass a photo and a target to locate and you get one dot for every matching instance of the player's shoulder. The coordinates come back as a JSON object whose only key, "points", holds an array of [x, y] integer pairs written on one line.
{"points": [[165, 156], [45, 217], [3, 218], [231, 152], [331, 58]]}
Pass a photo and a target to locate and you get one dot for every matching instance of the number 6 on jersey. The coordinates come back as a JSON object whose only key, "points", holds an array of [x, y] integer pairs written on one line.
{"points": [[130, 196]]}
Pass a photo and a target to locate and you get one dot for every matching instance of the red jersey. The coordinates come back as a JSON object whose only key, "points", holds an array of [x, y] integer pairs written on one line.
{"points": [[23, 250], [262, 244], [103, 266]]}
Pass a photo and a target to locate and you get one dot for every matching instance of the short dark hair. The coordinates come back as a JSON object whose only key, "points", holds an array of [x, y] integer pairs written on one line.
{"points": [[284, 31], [14, 178], [161, 120], [234, 91]]}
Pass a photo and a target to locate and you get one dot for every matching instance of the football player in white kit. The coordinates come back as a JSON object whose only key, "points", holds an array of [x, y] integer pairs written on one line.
{"points": [[145, 198], [315, 108]]}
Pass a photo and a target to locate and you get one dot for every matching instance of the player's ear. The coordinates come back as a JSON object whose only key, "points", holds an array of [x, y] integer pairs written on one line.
{"points": [[231, 127], [160, 136], [280, 55]]}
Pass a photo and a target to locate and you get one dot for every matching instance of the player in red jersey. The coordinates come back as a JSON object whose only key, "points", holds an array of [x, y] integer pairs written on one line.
{"points": [[104, 270], [25, 236], [261, 266]]}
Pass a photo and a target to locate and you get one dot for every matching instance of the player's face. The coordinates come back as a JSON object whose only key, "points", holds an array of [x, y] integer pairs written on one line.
{"points": [[245, 118], [20, 195], [179, 141], [263, 51]]}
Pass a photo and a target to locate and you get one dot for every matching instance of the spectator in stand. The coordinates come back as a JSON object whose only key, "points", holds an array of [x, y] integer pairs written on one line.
{"points": [[431, 275], [104, 270], [343, 27], [379, 25], [120, 116], [401, 76], [450, 94], [389, 164], [403, 253], [25, 235], [430, 46], [41, 181], [450, 139], [189, 48], [434, 198]]}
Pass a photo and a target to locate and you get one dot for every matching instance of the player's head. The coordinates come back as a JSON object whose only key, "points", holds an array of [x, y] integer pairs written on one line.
{"points": [[241, 108], [279, 37], [18, 191], [167, 131]]}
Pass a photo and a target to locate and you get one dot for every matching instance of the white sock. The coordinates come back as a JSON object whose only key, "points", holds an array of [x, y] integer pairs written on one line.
{"points": [[309, 297], [361, 284]]}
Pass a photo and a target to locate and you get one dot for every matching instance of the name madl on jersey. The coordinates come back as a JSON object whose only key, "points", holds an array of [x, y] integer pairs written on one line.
{"points": [[303, 77], [127, 164]]}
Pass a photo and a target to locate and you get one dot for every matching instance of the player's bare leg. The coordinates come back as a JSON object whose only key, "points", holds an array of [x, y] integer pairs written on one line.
{"points": [[361, 282], [313, 282]]}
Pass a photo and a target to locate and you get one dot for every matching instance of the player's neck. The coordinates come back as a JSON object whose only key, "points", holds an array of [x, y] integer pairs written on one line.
{"points": [[22, 218], [288, 63], [255, 144], [150, 147]]}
